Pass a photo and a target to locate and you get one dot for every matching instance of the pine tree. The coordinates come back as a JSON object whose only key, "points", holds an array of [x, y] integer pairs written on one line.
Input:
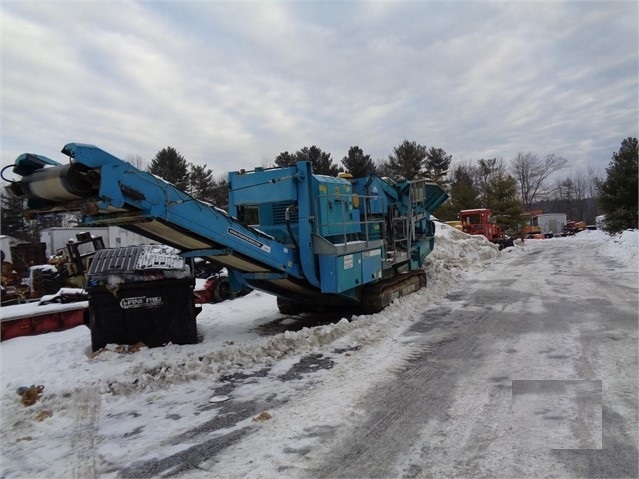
{"points": [[383, 169], [13, 221], [463, 189], [321, 161], [221, 192], [169, 165], [567, 195], [285, 159], [407, 160], [201, 183], [617, 194], [502, 198], [358, 164], [487, 170], [436, 164]]}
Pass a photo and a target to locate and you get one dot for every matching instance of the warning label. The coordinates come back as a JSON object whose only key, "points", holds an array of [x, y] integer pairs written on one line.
{"points": [[348, 261]]}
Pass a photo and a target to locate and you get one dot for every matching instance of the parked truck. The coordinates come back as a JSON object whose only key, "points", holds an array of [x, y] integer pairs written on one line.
{"points": [[479, 221], [319, 241], [572, 227], [70, 265]]}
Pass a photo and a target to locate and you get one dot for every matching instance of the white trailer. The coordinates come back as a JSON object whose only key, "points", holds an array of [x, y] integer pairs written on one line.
{"points": [[113, 237], [6, 242], [550, 222]]}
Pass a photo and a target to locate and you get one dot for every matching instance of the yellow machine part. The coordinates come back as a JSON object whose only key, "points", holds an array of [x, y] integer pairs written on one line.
{"points": [[530, 230], [455, 224]]}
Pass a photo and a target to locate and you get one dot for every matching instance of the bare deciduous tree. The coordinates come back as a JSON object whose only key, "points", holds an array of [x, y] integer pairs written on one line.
{"points": [[532, 172], [137, 161], [579, 181], [594, 176]]}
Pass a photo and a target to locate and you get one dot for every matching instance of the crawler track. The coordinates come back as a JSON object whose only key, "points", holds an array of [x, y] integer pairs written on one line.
{"points": [[381, 294]]}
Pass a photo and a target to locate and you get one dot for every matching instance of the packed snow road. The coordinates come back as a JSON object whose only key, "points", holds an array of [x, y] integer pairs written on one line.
{"points": [[532, 371], [529, 371]]}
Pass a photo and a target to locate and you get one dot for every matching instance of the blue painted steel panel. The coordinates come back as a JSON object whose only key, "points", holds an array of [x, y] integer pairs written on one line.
{"points": [[335, 210], [253, 188], [340, 273], [371, 265]]}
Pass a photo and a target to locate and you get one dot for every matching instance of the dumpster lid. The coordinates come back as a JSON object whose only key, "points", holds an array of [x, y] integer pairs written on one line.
{"points": [[133, 259]]}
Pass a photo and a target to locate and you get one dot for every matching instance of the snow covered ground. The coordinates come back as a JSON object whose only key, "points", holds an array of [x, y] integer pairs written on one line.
{"points": [[99, 415]]}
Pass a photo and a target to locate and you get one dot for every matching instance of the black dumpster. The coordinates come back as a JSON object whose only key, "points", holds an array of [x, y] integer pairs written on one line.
{"points": [[141, 294]]}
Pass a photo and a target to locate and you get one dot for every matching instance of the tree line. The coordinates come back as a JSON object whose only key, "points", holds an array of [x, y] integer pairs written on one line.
{"points": [[508, 189], [524, 185], [407, 162]]}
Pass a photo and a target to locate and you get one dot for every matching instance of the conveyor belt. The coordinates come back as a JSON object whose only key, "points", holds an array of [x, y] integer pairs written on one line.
{"points": [[186, 241]]}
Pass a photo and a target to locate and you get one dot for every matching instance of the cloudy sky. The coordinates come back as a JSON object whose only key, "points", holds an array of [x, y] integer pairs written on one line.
{"points": [[233, 84]]}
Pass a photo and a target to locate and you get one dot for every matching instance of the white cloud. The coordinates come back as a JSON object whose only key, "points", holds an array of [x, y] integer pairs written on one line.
{"points": [[230, 84]]}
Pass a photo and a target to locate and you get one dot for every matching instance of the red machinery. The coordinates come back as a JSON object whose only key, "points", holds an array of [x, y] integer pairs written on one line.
{"points": [[480, 222]]}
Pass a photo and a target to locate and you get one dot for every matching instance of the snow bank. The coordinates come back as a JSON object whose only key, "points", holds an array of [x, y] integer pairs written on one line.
{"points": [[622, 246], [455, 256]]}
